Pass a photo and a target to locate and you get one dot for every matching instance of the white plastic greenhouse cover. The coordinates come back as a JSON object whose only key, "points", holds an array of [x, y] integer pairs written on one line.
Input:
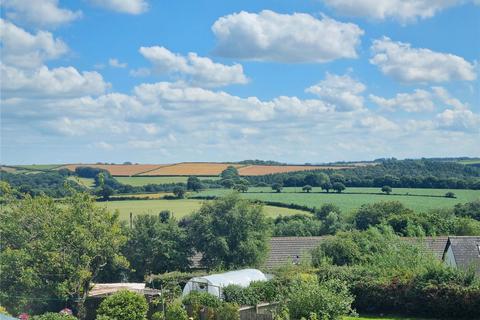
{"points": [[213, 283]]}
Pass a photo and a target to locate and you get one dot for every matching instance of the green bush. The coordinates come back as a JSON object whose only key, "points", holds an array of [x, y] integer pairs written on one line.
{"points": [[328, 300], [228, 311], [175, 311], [124, 305]]}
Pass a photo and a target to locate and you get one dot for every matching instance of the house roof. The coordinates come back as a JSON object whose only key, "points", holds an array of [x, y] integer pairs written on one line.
{"points": [[466, 251], [435, 245], [290, 249]]}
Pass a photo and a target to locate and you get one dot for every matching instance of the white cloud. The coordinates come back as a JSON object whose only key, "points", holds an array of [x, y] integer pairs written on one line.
{"points": [[116, 64], [411, 65], [401, 10], [200, 71], [47, 83], [291, 38], [123, 6], [23, 49], [418, 101], [343, 92], [103, 145], [459, 120], [38, 13], [375, 123]]}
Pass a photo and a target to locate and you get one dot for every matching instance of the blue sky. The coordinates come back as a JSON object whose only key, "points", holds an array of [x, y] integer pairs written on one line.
{"points": [[295, 81]]}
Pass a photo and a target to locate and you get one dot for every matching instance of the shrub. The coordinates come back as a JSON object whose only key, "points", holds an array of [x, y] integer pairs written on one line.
{"points": [[175, 311], [450, 194], [124, 305], [228, 311], [327, 300]]}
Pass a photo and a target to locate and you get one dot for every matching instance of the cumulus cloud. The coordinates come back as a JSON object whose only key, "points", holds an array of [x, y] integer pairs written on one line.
{"points": [[47, 83], [123, 6], [459, 120], [412, 65], [291, 38], [115, 63], [418, 101], [197, 70], [42, 14], [343, 92], [23, 49], [401, 10]]}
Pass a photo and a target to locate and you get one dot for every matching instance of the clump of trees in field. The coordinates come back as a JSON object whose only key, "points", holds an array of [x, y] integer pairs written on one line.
{"points": [[422, 173]]}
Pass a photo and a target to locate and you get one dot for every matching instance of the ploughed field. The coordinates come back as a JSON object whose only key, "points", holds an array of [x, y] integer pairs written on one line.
{"points": [[179, 208], [200, 169], [352, 198]]}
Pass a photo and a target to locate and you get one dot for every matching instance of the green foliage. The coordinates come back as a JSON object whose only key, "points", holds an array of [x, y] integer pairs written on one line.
{"points": [[257, 292], [469, 209], [156, 245], [450, 194], [230, 173], [297, 225], [314, 300], [201, 299], [230, 232], [175, 311], [194, 184], [53, 251], [307, 188], [338, 187], [227, 311], [389, 275], [124, 305], [277, 187], [53, 316], [408, 223], [179, 192], [387, 189]]}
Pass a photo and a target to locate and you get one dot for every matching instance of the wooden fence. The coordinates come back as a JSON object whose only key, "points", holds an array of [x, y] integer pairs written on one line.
{"points": [[261, 311]]}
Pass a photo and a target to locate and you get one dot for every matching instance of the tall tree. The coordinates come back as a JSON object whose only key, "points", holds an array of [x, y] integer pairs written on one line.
{"points": [[50, 252], [230, 232], [194, 184], [157, 244]]}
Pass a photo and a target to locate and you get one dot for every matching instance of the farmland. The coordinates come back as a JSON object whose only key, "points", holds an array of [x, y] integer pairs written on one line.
{"points": [[142, 181], [180, 208], [352, 198], [196, 169], [117, 169]]}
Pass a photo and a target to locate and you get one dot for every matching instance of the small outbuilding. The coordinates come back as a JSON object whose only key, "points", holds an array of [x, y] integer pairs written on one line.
{"points": [[214, 283], [463, 252]]}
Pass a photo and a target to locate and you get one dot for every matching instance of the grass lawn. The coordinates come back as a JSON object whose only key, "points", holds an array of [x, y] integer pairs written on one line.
{"points": [[180, 208], [353, 198], [141, 181]]}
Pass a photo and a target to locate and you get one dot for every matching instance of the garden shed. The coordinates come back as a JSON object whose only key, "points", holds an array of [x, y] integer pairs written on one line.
{"points": [[214, 283]]}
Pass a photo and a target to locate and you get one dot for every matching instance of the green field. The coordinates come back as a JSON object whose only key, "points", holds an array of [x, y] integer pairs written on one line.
{"points": [[180, 208], [39, 166], [470, 161], [141, 181], [87, 182], [353, 198]]}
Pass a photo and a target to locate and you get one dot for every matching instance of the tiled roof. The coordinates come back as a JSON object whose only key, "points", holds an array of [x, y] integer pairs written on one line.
{"points": [[436, 245], [286, 249], [466, 252]]}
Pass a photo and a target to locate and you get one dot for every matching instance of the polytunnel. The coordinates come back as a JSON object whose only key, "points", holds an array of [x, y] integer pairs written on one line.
{"points": [[214, 283]]}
